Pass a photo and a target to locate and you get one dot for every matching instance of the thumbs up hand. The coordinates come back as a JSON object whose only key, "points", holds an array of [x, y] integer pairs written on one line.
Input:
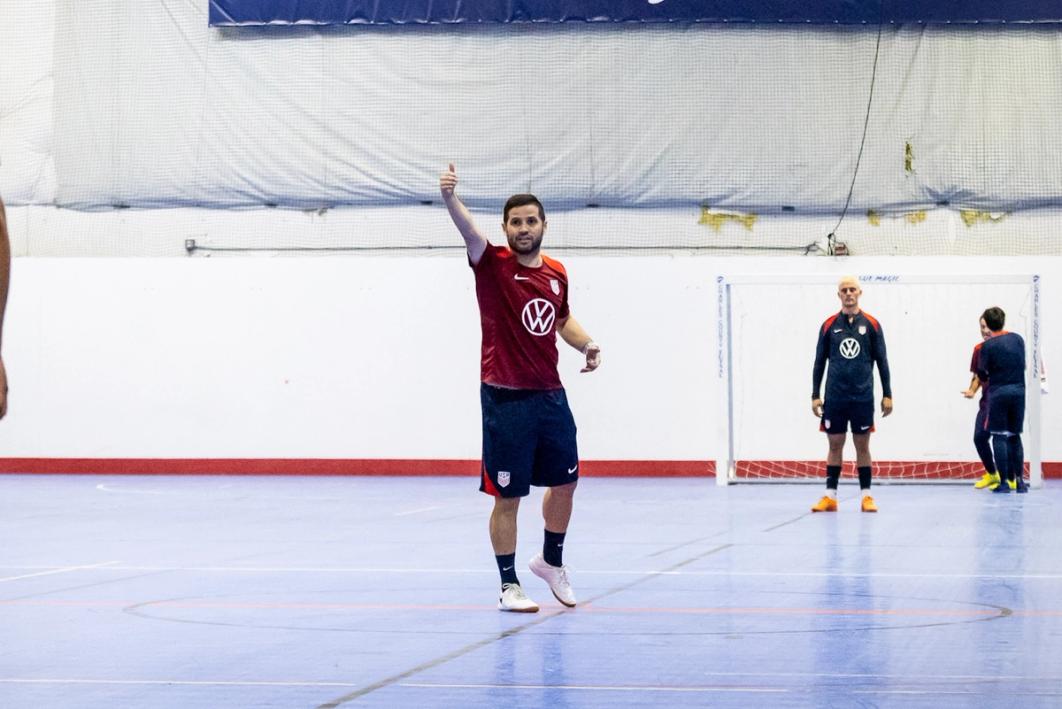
{"points": [[448, 181]]}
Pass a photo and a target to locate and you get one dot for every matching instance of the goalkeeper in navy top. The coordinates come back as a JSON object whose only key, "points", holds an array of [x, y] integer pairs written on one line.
{"points": [[852, 342], [1002, 364]]}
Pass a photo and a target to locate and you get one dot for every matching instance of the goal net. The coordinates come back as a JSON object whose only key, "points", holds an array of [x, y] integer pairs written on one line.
{"points": [[767, 334]]}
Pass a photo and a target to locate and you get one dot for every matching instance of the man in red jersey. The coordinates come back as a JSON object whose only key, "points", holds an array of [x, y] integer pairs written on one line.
{"points": [[528, 429]]}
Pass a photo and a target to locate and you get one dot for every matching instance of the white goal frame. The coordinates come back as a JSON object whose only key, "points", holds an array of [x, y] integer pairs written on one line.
{"points": [[726, 463]]}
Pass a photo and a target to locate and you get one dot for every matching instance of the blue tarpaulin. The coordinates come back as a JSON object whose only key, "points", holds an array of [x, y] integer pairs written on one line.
{"points": [[848, 12]]}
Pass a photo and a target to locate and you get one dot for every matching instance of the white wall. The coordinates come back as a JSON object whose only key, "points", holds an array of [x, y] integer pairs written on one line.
{"points": [[361, 357], [104, 104]]}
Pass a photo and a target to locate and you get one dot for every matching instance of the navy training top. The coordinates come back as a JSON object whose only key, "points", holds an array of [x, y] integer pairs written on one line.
{"points": [[851, 348], [1003, 360]]}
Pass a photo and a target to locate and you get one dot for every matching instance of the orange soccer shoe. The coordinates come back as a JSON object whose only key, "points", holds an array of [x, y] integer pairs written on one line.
{"points": [[868, 504], [826, 504]]}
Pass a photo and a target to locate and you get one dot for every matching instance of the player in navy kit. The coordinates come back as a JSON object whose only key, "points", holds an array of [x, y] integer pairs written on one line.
{"points": [[1002, 364], [981, 437], [528, 429], [852, 342]]}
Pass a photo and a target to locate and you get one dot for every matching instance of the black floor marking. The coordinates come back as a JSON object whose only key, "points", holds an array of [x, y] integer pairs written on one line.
{"points": [[394, 679]]}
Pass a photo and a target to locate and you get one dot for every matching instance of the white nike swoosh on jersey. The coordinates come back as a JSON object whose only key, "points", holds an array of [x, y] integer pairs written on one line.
{"points": [[572, 470], [521, 278], [837, 331]]}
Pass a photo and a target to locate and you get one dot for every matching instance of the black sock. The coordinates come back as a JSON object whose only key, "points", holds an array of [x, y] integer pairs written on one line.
{"points": [[1017, 458], [833, 474], [984, 451], [1001, 447], [507, 568], [864, 477], [553, 548]]}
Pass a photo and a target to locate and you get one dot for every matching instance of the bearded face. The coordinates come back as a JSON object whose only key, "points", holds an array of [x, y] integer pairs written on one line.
{"points": [[524, 229]]}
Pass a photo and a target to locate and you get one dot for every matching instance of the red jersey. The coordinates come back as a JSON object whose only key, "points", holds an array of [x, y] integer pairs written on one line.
{"points": [[975, 364], [519, 309]]}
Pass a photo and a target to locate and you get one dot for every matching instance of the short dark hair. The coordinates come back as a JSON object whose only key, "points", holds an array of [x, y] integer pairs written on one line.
{"points": [[994, 318], [519, 200]]}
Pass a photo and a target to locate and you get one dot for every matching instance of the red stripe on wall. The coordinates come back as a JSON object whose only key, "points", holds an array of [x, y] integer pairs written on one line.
{"points": [[356, 466], [328, 466]]}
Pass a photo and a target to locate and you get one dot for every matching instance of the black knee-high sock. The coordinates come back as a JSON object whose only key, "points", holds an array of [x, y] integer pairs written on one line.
{"points": [[1017, 458], [553, 548], [1001, 447], [984, 450], [833, 475], [864, 477]]}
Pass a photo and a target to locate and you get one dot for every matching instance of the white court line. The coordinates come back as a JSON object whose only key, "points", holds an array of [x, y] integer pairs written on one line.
{"points": [[960, 692], [132, 491], [57, 571], [534, 687], [428, 685], [580, 572], [715, 690], [107, 487], [423, 509], [186, 683], [598, 688]]}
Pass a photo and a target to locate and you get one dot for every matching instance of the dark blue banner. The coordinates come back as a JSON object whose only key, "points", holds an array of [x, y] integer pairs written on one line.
{"points": [[848, 12]]}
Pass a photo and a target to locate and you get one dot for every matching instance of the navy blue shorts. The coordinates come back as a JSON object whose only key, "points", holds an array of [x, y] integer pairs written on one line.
{"points": [[528, 439], [1006, 409], [838, 416]]}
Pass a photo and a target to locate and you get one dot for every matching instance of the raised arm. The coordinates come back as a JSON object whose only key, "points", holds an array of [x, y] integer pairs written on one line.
{"points": [[573, 333], [475, 242], [5, 278]]}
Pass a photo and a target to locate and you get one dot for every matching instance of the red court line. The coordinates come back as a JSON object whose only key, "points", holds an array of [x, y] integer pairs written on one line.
{"points": [[330, 466], [388, 467]]}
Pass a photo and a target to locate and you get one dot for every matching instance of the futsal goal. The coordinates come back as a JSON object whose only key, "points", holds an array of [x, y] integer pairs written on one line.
{"points": [[767, 328]]}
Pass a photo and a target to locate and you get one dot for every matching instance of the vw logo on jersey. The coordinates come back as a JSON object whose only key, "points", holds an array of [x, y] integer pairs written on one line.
{"points": [[538, 316], [849, 348]]}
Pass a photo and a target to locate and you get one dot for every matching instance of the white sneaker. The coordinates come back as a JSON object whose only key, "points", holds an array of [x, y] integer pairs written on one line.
{"points": [[514, 599], [556, 577]]}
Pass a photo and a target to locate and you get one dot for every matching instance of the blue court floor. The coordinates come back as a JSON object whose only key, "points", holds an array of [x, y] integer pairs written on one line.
{"points": [[216, 592]]}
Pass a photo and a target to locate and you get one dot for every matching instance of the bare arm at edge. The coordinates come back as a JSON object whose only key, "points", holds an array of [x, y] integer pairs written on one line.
{"points": [[475, 242], [5, 279]]}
